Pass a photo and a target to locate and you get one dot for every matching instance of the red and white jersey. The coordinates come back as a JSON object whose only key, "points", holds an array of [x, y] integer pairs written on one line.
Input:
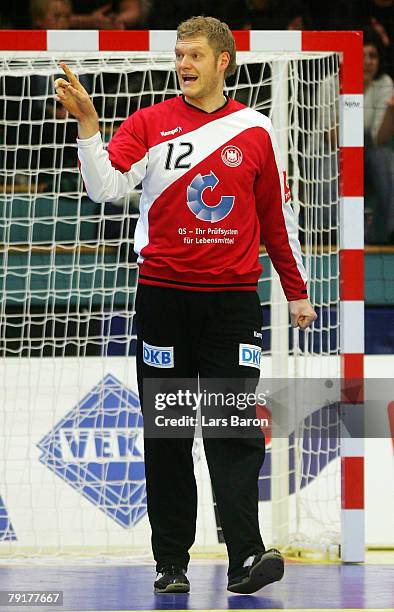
{"points": [[213, 185]]}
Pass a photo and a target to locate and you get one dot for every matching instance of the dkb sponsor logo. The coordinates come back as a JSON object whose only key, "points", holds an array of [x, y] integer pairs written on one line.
{"points": [[158, 356], [249, 355]]}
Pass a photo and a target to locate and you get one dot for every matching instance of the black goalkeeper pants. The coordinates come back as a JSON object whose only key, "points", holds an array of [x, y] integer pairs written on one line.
{"points": [[188, 335]]}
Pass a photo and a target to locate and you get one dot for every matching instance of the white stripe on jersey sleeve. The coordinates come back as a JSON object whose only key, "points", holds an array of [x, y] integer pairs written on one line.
{"points": [[102, 181], [288, 213]]}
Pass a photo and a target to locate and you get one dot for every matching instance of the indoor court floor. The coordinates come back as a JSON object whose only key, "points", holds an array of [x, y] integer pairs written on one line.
{"points": [[306, 586]]}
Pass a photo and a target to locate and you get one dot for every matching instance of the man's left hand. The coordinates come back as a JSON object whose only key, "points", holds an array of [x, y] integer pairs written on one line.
{"points": [[301, 313]]}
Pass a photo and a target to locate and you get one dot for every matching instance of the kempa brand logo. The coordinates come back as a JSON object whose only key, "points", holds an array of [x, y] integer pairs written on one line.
{"points": [[176, 130], [7, 533], [232, 156], [97, 448]]}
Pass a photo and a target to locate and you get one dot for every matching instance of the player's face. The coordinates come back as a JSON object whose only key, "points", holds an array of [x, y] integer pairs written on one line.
{"points": [[200, 71]]}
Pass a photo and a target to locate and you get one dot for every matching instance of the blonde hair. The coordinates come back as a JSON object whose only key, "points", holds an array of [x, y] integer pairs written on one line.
{"points": [[218, 34]]}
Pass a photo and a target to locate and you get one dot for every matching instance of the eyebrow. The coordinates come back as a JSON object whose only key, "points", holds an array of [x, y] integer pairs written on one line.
{"points": [[191, 50]]}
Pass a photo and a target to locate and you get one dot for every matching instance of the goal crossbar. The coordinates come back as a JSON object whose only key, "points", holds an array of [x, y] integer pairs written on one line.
{"points": [[17, 45]]}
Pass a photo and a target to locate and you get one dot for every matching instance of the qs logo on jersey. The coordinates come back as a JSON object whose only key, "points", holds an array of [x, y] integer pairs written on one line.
{"points": [[195, 199], [232, 156]]}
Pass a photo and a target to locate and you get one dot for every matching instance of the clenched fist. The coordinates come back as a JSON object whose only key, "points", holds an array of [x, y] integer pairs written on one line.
{"points": [[301, 313]]}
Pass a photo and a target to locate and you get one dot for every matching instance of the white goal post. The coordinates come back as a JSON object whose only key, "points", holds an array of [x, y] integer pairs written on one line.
{"points": [[71, 458]]}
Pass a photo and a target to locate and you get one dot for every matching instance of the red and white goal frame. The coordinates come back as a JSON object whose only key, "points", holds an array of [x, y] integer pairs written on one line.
{"points": [[351, 248]]}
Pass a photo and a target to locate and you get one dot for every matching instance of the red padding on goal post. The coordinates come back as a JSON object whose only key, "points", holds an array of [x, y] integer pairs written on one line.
{"points": [[351, 266], [124, 40], [23, 40], [352, 392], [352, 483], [351, 45], [242, 39], [352, 366], [352, 171], [352, 378]]}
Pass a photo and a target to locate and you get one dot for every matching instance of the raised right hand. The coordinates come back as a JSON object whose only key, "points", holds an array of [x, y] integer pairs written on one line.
{"points": [[77, 102]]}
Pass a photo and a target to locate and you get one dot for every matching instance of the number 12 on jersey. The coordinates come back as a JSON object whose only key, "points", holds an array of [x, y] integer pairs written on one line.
{"points": [[180, 156]]}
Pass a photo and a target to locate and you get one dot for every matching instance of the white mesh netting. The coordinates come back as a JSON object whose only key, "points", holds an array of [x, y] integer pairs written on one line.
{"points": [[71, 459]]}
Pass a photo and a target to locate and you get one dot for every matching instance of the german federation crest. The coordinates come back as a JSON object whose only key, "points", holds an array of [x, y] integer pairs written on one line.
{"points": [[97, 448], [232, 156]]}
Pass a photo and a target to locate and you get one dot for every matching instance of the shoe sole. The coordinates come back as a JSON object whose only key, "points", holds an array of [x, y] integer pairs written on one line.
{"points": [[269, 569], [174, 588]]}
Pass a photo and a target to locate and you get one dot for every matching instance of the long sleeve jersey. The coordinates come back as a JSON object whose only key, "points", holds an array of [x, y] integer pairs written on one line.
{"points": [[213, 185]]}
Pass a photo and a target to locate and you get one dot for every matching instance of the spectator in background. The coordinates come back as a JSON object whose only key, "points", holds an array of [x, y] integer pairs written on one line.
{"points": [[381, 19], [357, 15], [381, 13], [131, 13], [51, 14], [95, 14], [386, 130], [92, 14], [378, 124], [377, 15], [118, 14]]}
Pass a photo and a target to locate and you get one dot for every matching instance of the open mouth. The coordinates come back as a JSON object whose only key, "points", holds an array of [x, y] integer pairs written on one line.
{"points": [[189, 78]]}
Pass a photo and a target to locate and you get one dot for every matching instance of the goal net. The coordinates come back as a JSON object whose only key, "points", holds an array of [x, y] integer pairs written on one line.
{"points": [[71, 455]]}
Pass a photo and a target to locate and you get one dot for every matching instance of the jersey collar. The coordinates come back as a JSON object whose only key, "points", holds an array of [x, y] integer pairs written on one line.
{"points": [[206, 112]]}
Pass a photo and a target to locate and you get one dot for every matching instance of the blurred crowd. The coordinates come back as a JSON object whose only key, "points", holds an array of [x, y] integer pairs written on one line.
{"points": [[239, 14], [374, 17]]}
